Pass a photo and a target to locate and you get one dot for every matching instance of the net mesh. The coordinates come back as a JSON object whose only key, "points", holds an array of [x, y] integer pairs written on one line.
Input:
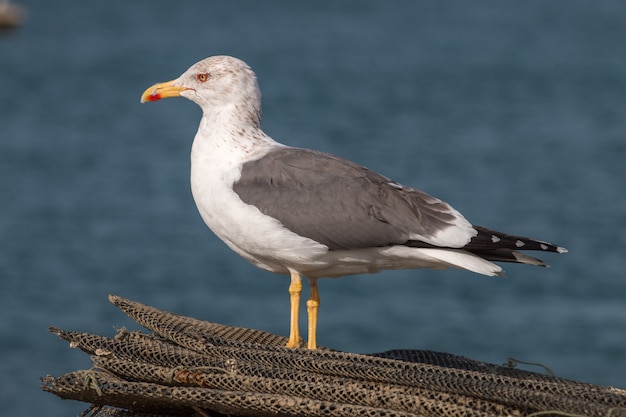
{"points": [[189, 367]]}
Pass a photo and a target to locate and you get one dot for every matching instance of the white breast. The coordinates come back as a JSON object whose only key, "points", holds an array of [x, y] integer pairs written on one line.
{"points": [[260, 239]]}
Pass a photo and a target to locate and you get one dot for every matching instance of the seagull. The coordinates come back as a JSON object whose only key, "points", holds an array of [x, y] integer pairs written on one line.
{"points": [[306, 213]]}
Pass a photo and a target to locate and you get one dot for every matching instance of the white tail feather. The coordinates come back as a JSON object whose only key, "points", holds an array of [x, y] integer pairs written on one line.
{"points": [[462, 259]]}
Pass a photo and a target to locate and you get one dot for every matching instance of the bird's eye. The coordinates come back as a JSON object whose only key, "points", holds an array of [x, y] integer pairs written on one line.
{"points": [[202, 77]]}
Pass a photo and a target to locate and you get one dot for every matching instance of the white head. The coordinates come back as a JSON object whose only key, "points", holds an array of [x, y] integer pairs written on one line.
{"points": [[220, 85]]}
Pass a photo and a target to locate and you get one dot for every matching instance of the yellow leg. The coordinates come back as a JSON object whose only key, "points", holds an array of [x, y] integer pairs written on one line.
{"points": [[312, 308], [295, 288]]}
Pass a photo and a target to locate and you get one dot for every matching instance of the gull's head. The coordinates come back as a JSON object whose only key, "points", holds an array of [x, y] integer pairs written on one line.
{"points": [[215, 84]]}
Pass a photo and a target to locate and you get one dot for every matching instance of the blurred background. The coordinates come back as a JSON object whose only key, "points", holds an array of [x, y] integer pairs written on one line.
{"points": [[513, 112]]}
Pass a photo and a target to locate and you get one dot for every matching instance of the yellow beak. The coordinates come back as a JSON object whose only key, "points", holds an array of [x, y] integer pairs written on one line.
{"points": [[162, 90]]}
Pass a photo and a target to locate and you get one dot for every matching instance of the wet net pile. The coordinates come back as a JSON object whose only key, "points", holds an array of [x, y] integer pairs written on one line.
{"points": [[188, 367]]}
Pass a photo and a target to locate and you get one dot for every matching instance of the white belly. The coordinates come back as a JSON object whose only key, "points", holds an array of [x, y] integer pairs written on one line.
{"points": [[260, 239]]}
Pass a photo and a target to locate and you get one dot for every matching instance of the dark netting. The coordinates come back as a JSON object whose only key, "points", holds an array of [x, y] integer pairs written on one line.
{"points": [[189, 367]]}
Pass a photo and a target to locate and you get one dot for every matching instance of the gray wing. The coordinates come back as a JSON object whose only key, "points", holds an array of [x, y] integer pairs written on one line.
{"points": [[339, 203]]}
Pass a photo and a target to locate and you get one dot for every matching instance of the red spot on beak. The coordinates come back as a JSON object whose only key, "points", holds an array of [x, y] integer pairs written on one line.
{"points": [[154, 97]]}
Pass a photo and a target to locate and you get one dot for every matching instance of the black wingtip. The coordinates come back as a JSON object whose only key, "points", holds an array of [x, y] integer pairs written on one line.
{"points": [[488, 239]]}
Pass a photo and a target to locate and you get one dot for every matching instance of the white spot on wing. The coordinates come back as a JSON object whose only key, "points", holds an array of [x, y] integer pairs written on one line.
{"points": [[544, 247], [519, 243], [495, 239]]}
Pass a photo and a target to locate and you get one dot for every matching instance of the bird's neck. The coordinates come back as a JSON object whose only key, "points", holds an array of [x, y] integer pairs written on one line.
{"points": [[230, 137]]}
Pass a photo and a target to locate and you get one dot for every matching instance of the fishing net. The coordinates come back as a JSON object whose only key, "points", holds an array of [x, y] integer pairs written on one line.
{"points": [[188, 367]]}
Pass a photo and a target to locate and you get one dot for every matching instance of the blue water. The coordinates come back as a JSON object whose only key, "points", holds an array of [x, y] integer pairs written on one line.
{"points": [[513, 112]]}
